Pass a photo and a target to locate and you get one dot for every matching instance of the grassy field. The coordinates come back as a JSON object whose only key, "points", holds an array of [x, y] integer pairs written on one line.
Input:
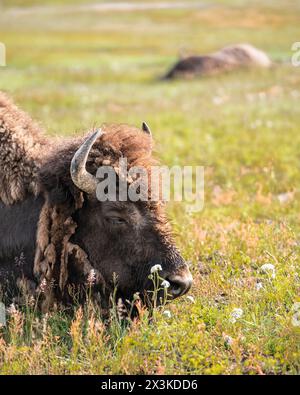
{"points": [[73, 70]]}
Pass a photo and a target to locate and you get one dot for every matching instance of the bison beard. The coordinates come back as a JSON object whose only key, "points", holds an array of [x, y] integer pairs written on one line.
{"points": [[68, 249], [55, 252]]}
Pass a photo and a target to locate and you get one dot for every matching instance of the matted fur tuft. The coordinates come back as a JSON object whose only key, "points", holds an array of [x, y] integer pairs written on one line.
{"points": [[22, 144]]}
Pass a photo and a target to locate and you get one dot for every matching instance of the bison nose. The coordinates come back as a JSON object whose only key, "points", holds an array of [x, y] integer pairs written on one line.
{"points": [[179, 284]]}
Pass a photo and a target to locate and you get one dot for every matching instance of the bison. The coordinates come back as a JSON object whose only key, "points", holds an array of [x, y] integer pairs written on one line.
{"points": [[227, 59], [57, 238]]}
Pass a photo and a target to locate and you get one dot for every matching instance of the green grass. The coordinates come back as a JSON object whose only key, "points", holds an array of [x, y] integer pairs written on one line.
{"points": [[73, 71]]}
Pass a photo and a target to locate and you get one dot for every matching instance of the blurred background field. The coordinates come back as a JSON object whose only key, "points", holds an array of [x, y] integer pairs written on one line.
{"points": [[73, 68]]}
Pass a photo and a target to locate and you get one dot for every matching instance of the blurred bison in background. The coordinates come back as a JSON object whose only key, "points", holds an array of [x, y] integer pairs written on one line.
{"points": [[57, 238], [227, 59]]}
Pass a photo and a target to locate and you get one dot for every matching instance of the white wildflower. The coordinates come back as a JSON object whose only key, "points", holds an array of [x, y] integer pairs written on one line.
{"points": [[235, 315], [91, 279], [45, 323], [259, 286], [31, 301], [136, 296], [296, 315], [269, 269], [12, 309], [190, 298], [295, 94], [2, 315], [155, 268], [218, 100], [285, 197], [167, 313], [296, 319], [43, 285], [165, 284]]}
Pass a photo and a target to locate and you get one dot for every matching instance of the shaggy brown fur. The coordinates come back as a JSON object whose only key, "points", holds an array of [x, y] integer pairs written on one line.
{"points": [[22, 144], [228, 58], [36, 165]]}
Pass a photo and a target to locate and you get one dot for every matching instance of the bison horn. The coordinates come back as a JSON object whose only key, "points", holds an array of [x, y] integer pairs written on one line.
{"points": [[85, 181], [146, 129]]}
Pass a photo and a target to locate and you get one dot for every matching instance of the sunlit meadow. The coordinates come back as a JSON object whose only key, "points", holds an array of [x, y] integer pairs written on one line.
{"points": [[73, 70]]}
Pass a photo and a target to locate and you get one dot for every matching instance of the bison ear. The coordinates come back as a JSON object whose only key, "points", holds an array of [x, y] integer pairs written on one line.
{"points": [[146, 129]]}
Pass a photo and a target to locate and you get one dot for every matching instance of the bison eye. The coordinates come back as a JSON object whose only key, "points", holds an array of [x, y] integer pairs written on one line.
{"points": [[115, 220]]}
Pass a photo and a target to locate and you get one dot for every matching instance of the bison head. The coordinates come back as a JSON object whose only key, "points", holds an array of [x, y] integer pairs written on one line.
{"points": [[122, 240]]}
